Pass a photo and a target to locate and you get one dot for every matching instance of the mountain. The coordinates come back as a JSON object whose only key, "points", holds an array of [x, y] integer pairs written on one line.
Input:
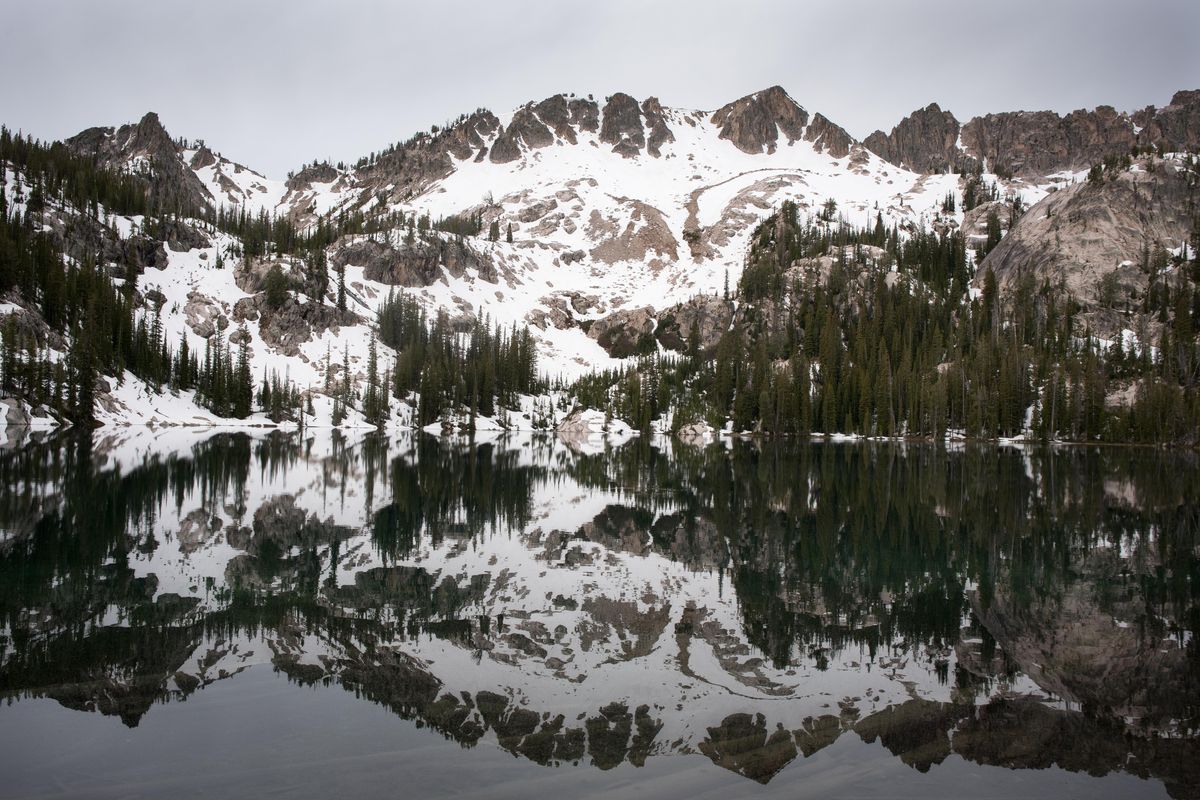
{"points": [[606, 227]]}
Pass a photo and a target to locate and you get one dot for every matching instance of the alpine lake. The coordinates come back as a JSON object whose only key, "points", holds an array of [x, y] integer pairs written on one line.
{"points": [[192, 614]]}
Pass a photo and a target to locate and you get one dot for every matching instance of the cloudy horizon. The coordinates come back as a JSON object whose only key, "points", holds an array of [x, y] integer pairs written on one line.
{"points": [[274, 86]]}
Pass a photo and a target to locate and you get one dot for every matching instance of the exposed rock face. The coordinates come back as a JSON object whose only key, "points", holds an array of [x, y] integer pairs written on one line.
{"points": [[1085, 231], [622, 125], [556, 113], [829, 137], [203, 158], [754, 122], [426, 157], [625, 333], [1041, 142], [313, 173], [180, 236], [418, 263], [707, 316], [81, 236], [1036, 142], [556, 118], [656, 122], [1174, 127], [147, 143], [585, 114], [525, 128], [13, 413], [925, 141], [294, 323], [645, 232]]}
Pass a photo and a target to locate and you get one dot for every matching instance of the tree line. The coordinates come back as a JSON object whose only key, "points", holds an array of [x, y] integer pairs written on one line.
{"points": [[886, 337]]}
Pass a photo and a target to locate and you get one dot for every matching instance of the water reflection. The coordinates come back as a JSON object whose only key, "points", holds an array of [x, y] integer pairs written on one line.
{"points": [[608, 604]]}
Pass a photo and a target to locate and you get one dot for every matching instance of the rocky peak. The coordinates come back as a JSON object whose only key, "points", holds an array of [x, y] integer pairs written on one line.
{"points": [[753, 122], [146, 144], [117, 147], [541, 124], [1037, 142], [525, 128], [556, 113], [426, 157], [585, 114], [925, 141], [1042, 142], [828, 136], [622, 125], [467, 137], [1174, 127]]}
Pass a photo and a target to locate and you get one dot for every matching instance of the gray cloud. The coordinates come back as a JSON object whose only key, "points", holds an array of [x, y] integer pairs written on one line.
{"points": [[276, 84]]}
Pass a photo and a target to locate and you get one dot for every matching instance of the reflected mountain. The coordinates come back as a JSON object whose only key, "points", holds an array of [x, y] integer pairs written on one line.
{"points": [[749, 602]]}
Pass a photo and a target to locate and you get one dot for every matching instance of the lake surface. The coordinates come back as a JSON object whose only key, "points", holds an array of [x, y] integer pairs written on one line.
{"points": [[190, 614]]}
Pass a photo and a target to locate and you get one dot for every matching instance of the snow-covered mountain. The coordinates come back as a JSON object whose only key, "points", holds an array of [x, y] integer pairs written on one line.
{"points": [[618, 212]]}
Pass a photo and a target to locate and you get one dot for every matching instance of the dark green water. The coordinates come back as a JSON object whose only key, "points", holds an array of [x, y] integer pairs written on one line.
{"points": [[195, 615]]}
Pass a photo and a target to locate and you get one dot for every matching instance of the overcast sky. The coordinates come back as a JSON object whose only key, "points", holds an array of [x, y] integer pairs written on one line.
{"points": [[277, 84]]}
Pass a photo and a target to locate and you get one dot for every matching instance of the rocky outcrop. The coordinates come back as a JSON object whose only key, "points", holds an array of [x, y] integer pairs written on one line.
{"points": [[322, 172], [1036, 142], [625, 333], [646, 231], [147, 149], [1042, 142], [585, 114], [1175, 127], [410, 166], [1081, 233], [556, 113], [416, 263], [293, 323], [202, 314], [582, 423], [656, 124], [704, 318], [525, 129], [925, 141], [622, 125], [828, 137], [203, 157], [534, 125], [754, 122], [179, 236]]}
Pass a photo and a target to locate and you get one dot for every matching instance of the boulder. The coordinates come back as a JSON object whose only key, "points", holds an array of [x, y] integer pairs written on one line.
{"points": [[625, 333]]}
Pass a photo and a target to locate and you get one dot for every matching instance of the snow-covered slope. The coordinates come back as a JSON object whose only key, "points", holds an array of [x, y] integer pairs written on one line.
{"points": [[599, 227], [623, 208]]}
